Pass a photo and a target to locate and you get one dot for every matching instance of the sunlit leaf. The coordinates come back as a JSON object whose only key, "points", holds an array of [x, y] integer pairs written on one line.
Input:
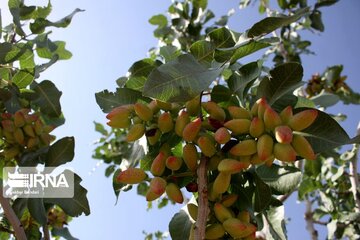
{"points": [[282, 179], [123, 96], [276, 220], [179, 80], [41, 23], [23, 78], [270, 24]]}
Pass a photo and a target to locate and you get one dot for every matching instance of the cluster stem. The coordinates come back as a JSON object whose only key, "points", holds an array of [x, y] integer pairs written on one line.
{"points": [[203, 208]]}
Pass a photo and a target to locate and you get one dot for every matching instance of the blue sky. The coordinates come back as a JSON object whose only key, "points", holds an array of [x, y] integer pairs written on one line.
{"points": [[105, 40]]}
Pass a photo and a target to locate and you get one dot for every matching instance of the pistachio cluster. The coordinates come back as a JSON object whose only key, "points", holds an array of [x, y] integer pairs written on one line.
{"points": [[23, 131], [230, 138]]}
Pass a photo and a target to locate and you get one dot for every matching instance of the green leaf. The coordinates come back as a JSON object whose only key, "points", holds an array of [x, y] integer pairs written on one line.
{"points": [[39, 25], [249, 48], [26, 12], [23, 78], [200, 4], [283, 179], [316, 21], [123, 96], [270, 24], [19, 206], [73, 206], [300, 102], [331, 228], [139, 72], [10, 52], [0, 25], [12, 104], [37, 210], [276, 220], [307, 185], [333, 73], [179, 80], [62, 232], [282, 4], [325, 99], [32, 231], [222, 38], [169, 52], [43, 12], [262, 195], [48, 98], [289, 99], [42, 41], [355, 139], [60, 152], [100, 128], [284, 78], [325, 133], [160, 20], [203, 51], [57, 48], [44, 66], [27, 59], [14, 7], [5, 73], [313, 168], [240, 79], [180, 226], [109, 170], [221, 93], [135, 153], [326, 204], [325, 3]]}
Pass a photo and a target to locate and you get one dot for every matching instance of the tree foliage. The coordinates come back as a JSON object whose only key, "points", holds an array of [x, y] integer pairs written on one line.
{"points": [[29, 110], [197, 75]]}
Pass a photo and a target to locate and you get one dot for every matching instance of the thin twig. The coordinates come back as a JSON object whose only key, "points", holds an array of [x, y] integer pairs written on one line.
{"points": [[354, 179], [11, 216], [203, 209], [46, 232], [320, 222], [310, 221]]}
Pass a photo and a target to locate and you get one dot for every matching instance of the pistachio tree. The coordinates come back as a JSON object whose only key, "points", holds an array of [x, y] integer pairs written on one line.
{"points": [[30, 110], [239, 137]]}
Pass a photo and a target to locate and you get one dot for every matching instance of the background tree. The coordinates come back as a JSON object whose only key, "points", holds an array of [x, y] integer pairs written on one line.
{"points": [[29, 110], [166, 77]]}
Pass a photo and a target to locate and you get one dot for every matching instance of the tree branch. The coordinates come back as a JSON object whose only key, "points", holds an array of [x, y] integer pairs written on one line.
{"points": [[46, 232], [203, 209], [310, 221], [11, 216], [354, 179]]}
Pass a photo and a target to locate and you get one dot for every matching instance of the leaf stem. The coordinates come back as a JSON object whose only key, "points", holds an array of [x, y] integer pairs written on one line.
{"points": [[203, 208], [11, 216]]}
